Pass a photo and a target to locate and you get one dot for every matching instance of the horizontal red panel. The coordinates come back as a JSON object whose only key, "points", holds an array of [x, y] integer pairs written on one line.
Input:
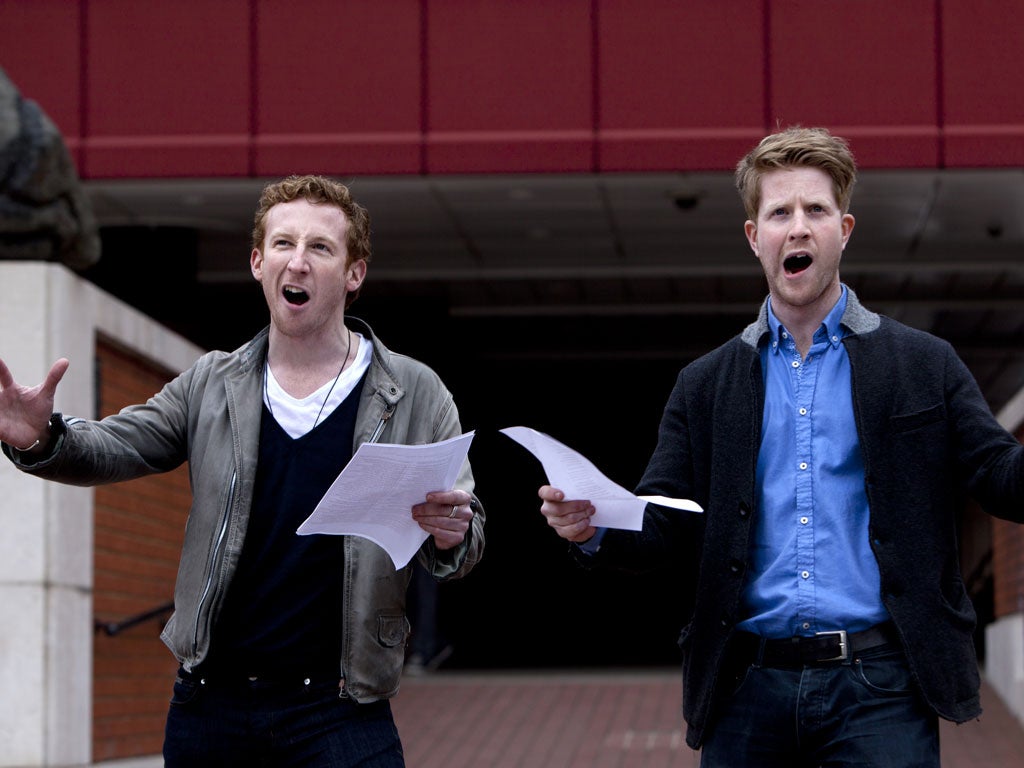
{"points": [[915, 146], [865, 63], [704, 149], [981, 51], [40, 50], [671, 95], [509, 66], [510, 152], [667, 65], [983, 113], [988, 146], [510, 87], [335, 69], [158, 69], [465, 86], [283, 154], [166, 156]]}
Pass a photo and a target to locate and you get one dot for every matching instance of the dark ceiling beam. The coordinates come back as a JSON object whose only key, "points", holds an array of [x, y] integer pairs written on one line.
{"points": [[682, 307], [432, 274]]}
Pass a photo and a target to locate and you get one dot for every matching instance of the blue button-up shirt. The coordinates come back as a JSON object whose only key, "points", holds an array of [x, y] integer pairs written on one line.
{"points": [[812, 568]]}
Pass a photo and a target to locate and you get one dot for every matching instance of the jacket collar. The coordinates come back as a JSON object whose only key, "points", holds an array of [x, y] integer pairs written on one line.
{"points": [[381, 377], [857, 319], [253, 355]]}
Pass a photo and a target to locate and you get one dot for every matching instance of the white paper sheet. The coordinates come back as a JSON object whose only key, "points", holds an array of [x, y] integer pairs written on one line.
{"points": [[578, 478], [374, 494]]}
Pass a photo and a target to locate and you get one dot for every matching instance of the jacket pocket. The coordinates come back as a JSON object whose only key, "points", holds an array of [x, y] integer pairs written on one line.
{"points": [[392, 631], [907, 422], [958, 607]]}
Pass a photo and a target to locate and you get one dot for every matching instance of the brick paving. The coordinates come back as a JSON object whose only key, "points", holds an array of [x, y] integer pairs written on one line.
{"points": [[612, 719]]}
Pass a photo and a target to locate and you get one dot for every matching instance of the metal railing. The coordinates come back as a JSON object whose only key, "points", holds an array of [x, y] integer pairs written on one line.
{"points": [[112, 628]]}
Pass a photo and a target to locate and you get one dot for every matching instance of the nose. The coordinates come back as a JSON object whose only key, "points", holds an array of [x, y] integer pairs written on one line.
{"points": [[799, 229], [299, 262]]}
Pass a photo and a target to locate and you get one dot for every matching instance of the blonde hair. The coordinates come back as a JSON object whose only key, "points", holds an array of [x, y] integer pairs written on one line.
{"points": [[792, 148]]}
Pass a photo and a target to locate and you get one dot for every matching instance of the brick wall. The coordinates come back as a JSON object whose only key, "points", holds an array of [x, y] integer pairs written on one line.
{"points": [[1008, 563], [139, 527]]}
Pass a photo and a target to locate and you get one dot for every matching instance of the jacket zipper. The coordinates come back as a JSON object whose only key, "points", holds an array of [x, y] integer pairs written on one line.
{"points": [[213, 560], [388, 411]]}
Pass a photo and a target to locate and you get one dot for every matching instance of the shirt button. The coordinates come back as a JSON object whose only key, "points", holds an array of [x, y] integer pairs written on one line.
{"points": [[806, 625], [803, 465], [796, 363], [803, 411], [805, 574], [803, 521], [835, 338]]}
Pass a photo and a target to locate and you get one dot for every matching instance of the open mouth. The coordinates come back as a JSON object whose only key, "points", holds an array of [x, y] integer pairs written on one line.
{"points": [[295, 296], [794, 265]]}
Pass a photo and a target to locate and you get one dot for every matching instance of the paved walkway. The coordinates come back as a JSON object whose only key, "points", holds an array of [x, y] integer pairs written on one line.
{"points": [[613, 719], [558, 719]]}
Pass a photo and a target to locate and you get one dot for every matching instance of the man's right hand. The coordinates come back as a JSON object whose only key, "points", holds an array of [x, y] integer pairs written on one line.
{"points": [[25, 411], [570, 519]]}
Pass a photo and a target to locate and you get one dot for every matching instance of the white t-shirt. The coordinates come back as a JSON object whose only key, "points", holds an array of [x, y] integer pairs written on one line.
{"points": [[299, 416]]}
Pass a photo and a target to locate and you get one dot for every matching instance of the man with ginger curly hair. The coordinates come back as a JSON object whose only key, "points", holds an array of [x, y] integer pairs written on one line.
{"points": [[289, 646]]}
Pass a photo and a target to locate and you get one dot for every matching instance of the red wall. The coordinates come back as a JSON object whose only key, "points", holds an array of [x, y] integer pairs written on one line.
{"points": [[267, 87]]}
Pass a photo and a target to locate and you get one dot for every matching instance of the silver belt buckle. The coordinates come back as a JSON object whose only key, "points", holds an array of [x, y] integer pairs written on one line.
{"points": [[844, 645]]}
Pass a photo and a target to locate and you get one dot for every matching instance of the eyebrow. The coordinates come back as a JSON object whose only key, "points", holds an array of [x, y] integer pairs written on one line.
{"points": [[291, 234], [824, 202]]}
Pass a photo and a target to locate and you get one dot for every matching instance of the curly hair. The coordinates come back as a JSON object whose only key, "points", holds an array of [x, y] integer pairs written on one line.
{"points": [[320, 191], [797, 147]]}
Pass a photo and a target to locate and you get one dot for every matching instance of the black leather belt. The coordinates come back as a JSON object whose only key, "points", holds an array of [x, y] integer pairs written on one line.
{"points": [[822, 647], [231, 678]]}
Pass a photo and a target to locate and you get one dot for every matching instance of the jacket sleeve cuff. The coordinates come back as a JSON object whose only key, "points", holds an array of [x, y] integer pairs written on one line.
{"points": [[23, 459]]}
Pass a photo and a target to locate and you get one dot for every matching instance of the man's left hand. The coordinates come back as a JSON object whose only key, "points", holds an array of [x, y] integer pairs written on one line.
{"points": [[445, 515]]}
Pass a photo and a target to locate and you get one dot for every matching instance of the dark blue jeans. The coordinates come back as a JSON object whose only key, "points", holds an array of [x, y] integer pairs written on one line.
{"points": [[259, 724], [865, 712]]}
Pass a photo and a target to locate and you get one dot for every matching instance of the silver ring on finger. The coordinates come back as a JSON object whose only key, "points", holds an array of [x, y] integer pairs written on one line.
{"points": [[455, 509]]}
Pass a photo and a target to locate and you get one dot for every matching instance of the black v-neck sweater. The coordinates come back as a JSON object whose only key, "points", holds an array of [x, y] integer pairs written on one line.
{"points": [[282, 616]]}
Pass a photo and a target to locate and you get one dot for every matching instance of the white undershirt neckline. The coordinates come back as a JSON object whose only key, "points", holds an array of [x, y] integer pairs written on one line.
{"points": [[298, 416]]}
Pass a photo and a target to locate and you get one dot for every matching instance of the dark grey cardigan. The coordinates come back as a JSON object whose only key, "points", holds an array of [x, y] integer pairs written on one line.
{"points": [[929, 440]]}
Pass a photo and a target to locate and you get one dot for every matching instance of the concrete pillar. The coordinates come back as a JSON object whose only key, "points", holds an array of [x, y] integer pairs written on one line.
{"points": [[46, 549], [46, 569], [1004, 660], [1004, 638]]}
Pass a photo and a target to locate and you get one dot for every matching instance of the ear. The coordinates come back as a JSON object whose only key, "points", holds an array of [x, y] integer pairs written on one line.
{"points": [[750, 229], [847, 227], [256, 264], [355, 274]]}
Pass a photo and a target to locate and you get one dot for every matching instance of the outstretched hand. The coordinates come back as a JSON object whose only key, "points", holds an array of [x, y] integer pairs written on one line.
{"points": [[25, 411]]}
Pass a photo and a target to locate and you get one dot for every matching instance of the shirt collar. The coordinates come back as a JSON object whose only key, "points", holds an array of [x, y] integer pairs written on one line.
{"points": [[831, 329]]}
